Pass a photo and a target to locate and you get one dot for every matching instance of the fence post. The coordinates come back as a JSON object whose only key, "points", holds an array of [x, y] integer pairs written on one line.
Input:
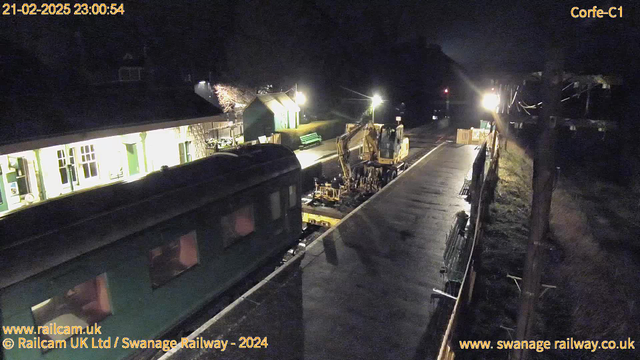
{"points": [[477, 178], [543, 174]]}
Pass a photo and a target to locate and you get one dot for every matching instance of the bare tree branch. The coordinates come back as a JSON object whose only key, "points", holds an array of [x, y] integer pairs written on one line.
{"points": [[233, 98]]}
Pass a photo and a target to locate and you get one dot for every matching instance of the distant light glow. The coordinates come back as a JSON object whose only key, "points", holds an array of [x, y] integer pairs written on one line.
{"points": [[376, 100], [446, 91], [490, 101], [300, 98]]}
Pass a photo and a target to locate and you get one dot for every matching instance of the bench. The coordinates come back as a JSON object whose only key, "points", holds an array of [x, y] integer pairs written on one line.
{"points": [[310, 140]]}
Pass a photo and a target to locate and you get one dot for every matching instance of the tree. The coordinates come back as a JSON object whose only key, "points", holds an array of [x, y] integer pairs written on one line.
{"points": [[233, 98]]}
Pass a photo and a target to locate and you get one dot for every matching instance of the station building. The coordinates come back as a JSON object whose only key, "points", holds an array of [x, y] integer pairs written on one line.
{"points": [[270, 113], [62, 143]]}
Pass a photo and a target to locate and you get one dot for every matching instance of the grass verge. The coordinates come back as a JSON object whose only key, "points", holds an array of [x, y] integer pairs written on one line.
{"points": [[593, 258], [503, 249]]}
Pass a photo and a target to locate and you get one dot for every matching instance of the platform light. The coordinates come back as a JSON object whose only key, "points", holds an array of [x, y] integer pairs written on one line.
{"points": [[300, 98], [490, 101], [375, 101]]}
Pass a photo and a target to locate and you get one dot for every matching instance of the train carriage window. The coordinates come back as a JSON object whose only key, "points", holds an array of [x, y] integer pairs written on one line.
{"points": [[274, 204], [237, 224], [293, 200], [79, 307], [170, 260]]}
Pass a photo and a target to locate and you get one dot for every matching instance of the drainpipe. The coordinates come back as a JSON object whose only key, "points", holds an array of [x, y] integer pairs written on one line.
{"points": [[143, 138], [69, 166]]}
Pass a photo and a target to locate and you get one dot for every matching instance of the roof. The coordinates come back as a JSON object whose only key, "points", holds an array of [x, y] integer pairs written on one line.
{"points": [[31, 117], [277, 102]]}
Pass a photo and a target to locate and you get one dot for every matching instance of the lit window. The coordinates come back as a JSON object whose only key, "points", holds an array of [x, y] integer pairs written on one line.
{"points": [[72, 162], [293, 200], [88, 161], [66, 166], [82, 306], [274, 204], [172, 259], [237, 224], [62, 165]]}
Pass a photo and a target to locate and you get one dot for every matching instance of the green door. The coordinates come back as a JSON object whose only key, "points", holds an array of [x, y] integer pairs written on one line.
{"points": [[3, 197], [132, 159]]}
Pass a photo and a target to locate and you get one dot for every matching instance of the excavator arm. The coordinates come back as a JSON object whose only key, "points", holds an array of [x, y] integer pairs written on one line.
{"points": [[342, 144], [369, 147]]}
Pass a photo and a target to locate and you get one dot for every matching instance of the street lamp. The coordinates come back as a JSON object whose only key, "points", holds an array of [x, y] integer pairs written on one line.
{"points": [[446, 91], [490, 101], [375, 101], [300, 98]]}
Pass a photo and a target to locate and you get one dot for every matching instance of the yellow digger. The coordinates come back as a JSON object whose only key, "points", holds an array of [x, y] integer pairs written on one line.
{"points": [[382, 158]]}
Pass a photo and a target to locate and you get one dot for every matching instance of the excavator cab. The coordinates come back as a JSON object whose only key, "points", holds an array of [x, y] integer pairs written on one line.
{"points": [[393, 146]]}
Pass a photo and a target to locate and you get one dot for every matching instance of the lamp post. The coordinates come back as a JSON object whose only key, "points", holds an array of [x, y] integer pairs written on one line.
{"points": [[300, 99], [490, 102], [446, 92], [375, 101]]}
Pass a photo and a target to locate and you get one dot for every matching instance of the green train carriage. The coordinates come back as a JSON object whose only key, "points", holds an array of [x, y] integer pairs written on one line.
{"points": [[138, 258]]}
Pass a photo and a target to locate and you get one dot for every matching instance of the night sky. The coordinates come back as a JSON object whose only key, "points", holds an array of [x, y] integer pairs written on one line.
{"points": [[320, 44]]}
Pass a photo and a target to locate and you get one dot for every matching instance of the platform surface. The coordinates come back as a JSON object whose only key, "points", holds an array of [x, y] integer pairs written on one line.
{"points": [[324, 151], [363, 289]]}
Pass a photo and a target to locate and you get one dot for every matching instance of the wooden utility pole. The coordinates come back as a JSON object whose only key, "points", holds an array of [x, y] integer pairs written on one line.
{"points": [[543, 178]]}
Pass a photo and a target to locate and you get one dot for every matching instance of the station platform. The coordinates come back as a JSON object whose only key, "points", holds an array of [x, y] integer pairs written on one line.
{"points": [[325, 151], [363, 289]]}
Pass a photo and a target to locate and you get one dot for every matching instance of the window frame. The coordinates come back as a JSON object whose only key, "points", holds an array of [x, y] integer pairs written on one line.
{"points": [[68, 159], [176, 238], [100, 283], [87, 157], [229, 242]]}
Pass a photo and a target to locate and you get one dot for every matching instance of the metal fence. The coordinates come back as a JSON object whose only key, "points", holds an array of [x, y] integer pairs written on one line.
{"points": [[483, 183], [456, 250]]}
